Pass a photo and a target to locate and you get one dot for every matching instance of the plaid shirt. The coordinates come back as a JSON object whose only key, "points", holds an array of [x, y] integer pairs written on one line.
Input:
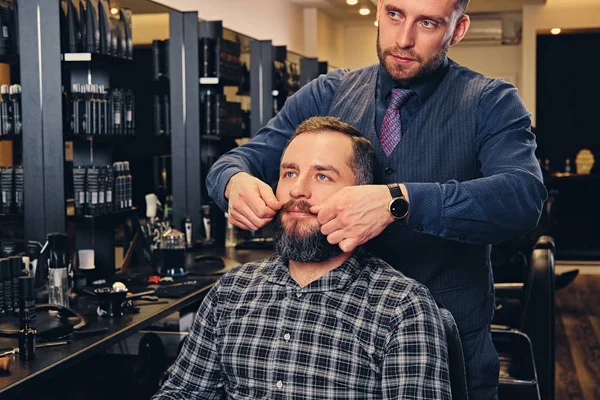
{"points": [[363, 330]]}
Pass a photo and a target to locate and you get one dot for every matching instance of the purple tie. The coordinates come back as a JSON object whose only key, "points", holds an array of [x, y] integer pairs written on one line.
{"points": [[391, 128]]}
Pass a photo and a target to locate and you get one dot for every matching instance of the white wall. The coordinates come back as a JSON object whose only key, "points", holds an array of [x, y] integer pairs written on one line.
{"points": [[494, 61], [276, 20], [311, 38], [360, 46], [565, 14], [148, 27], [330, 40]]}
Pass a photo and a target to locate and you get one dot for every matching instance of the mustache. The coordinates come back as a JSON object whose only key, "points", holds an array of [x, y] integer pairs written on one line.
{"points": [[397, 52], [299, 205]]}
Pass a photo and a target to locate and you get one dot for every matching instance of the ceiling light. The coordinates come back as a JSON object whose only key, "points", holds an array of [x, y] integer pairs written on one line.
{"points": [[376, 23], [364, 11], [555, 31], [352, 2], [114, 11]]}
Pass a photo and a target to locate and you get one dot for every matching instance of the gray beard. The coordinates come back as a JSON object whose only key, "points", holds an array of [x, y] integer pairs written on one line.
{"points": [[310, 248]]}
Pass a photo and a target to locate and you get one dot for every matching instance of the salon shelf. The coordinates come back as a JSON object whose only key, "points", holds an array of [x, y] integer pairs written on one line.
{"points": [[98, 138], [9, 59], [212, 138], [95, 58], [11, 137], [108, 217], [214, 81], [6, 218]]}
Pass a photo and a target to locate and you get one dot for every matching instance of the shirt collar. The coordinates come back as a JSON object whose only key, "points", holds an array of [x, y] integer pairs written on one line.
{"points": [[335, 279], [423, 87]]}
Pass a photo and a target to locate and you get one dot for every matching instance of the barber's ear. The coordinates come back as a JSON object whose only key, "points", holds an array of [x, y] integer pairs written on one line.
{"points": [[461, 29]]}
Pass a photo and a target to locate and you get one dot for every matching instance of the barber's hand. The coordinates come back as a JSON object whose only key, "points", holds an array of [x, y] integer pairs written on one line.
{"points": [[252, 203], [354, 215]]}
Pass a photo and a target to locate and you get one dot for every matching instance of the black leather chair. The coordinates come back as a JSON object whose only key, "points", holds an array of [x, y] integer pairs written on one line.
{"points": [[458, 376], [527, 307], [518, 378]]}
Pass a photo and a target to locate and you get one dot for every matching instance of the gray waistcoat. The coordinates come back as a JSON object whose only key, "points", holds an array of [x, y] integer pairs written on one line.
{"points": [[438, 146]]}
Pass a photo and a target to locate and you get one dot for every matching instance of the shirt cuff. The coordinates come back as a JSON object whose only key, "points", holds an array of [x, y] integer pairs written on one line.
{"points": [[425, 207]]}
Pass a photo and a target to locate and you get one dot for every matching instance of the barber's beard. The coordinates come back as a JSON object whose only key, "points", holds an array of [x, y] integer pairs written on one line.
{"points": [[300, 242], [399, 73]]}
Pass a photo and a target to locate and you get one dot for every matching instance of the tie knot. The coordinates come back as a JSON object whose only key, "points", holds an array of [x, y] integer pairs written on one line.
{"points": [[399, 97]]}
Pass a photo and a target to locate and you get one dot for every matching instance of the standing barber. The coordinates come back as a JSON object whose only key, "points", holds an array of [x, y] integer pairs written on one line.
{"points": [[455, 159]]}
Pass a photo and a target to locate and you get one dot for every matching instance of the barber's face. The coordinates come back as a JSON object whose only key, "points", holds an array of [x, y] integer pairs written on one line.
{"points": [[313, 167], [413, 36]]}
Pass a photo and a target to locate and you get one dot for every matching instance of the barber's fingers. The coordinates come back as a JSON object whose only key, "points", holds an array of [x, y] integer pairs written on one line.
{"points": [[266, 193], [257, 200], [349, 244], [336, 237], [325, 212], [243, 214], [331, 226], [241, 222]]}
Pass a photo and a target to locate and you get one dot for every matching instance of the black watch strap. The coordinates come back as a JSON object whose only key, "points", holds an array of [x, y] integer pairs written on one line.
{"points": [[394, 190]]}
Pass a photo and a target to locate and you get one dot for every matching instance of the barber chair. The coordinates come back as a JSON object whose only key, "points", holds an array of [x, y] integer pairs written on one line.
{"points": [[458, 376], [526, 307]]}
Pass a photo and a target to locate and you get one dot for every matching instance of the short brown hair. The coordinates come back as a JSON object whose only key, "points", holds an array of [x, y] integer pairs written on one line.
{"points": [[362, 161]]}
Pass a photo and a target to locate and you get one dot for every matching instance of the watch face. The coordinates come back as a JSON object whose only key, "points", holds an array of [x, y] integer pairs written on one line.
{"points": [[399, 208]]}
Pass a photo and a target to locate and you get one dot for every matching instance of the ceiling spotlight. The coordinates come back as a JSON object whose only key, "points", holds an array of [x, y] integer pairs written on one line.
{"points": [[364, 11], [555, 31], [352, 2], [114, 11], [376, 23]]}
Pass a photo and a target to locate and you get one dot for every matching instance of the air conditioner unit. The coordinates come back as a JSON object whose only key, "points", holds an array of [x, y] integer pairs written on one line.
{"points": [[484, 31]]}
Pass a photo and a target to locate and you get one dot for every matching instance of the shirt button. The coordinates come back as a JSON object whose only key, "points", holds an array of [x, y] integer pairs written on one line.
{"points": [[420, 228], [298, 295], [279, 384], [389, 171], [287, 337]]}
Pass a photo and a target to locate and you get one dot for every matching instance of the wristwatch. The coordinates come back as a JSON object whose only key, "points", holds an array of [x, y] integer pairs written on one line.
{"points": [[398, 206]]}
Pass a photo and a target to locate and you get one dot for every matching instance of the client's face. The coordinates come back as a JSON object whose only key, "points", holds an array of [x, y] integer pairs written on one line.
{"points": [[313, 167]]}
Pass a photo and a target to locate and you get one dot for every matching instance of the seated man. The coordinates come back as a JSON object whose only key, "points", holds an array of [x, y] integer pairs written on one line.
{"points": [[311, 321]]}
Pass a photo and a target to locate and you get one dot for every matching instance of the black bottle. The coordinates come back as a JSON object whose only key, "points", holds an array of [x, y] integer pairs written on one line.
{"points": [[15, 98], [79, 180], [102, 190], [103, 102], [27, 302], [27, 339], [6, 127], [128, 185], [116, 112], [128, 107], [5, 264], [2, 278], [75, 110], [87, 109], [16, 265], [110, 182]]}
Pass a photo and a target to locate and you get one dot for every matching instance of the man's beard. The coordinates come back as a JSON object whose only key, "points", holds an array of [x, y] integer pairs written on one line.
{"points": [[397, 72], [300, 243]]}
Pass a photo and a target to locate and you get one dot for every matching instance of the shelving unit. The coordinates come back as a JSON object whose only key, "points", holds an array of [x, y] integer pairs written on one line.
{"points": [[94, 58]]}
